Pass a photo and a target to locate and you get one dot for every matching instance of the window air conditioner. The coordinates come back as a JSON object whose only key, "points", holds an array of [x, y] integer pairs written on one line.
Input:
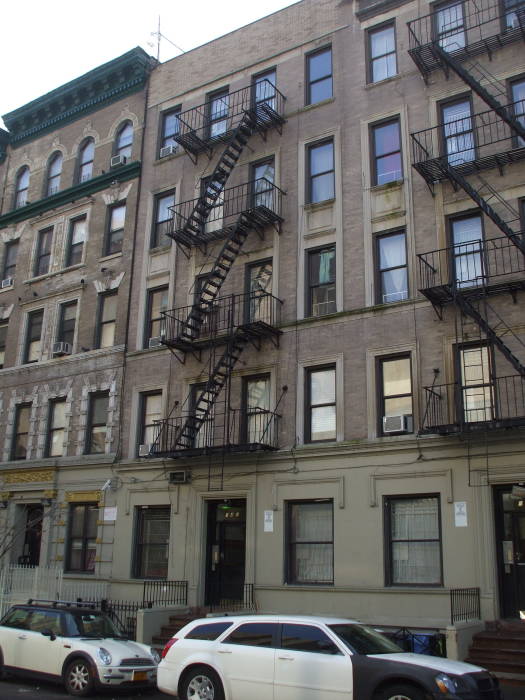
{"points": [[144, 450], [117, 160], [155, 342], [8, 282], [395, 424], [167, 150], [181, 477], [61, 348]]}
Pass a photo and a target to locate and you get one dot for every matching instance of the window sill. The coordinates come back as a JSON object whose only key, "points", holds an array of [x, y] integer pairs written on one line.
{"points": [[307, 108], [394, 184], [48, 275], [390, 79], [317, 206], [111, 256], [160, 249]]}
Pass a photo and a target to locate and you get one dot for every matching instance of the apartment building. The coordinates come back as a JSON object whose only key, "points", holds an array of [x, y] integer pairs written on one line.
{"points": [[323, 402]]}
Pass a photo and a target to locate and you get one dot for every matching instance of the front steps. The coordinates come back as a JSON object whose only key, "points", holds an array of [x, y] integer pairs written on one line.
{"points": [[500, 648]]}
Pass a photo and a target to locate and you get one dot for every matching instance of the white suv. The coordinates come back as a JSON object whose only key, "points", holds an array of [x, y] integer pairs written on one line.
{"points": [[74, 644]]}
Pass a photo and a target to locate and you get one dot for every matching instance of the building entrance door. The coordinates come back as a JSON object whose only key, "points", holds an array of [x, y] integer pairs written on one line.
{"points": [[32, 536], [510, 543], [225, 552]]}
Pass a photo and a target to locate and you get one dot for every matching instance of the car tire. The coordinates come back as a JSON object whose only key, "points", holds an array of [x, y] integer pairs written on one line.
{"points": [[201, 683], [400, 692], [79, 678]]}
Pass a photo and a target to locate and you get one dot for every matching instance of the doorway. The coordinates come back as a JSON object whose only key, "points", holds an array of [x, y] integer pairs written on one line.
{"points": [[510, 548], [32, 535], [225, 551]]}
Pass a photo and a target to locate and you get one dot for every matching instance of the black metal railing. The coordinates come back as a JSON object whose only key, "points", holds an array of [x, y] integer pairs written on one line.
{"points": [[477, 263], [468, 28], [259, 199], [124, 614], [465, 605], [232, 430], [214, 120], [475, 142], [208, 320], [417, 640], [452, 408], [164, 592], [230, 596]]}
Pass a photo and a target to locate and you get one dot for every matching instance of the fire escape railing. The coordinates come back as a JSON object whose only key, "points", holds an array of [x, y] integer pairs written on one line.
{"points": [[260, 200], [474, 27], [200, 130], [495, 403]]}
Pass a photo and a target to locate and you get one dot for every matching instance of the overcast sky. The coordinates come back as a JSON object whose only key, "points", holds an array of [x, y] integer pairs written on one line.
{"points": [[46, 44]]}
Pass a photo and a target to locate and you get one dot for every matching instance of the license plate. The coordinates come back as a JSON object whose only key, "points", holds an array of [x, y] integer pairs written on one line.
{"points": [[140, 676]]}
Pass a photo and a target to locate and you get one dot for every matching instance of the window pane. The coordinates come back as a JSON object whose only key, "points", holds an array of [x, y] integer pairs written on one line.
{"points": [[382, 42], [107, 335], [321, 90], [321, 158], [323, 423], [320, 65], [322, 386], [109, 307], [386, 138], [100, 409], [392, 251], [307, 638], [254, 634], [310, 535], [396, 377], [118, 215]]}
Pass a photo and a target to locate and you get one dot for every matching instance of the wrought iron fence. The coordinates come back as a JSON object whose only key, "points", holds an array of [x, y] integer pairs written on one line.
{"points": [[164, 592], [231, 597], [417, 640], [465, 605], [124, 615]]}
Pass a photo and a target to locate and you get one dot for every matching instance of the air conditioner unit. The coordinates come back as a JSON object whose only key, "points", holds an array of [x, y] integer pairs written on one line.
{"points": [[118, 160], [144, 450], [181, 477], [61, 348], [155, 342], [167, 151], [395, 424], [8, 282]]}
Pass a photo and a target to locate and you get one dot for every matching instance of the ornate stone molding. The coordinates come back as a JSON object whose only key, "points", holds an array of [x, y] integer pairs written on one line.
{"points": [[27, 476], [446, 473]]}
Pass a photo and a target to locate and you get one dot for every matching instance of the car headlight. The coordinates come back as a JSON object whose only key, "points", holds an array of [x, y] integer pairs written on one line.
{"points": [[155, 654], [446, 684], [104, 656]]}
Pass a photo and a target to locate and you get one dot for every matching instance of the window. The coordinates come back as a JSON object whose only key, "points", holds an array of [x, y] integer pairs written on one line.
{"points": [[150, 411], [82, 540], [43, 252], [263, 177], [67, 322], [152, 542], [467, 241], [21, 187], [86, 156], [392, 284], [450, 26], [382, 53], [3, 339], [209, 632], [320, 414], [254, 634], [33, 347], [157, 302], [202, 406], [97, 423], [107, 315], [170, 128], [21, 431], [54, 171], [218, 107], [458, 135], [77, 238], [55, 430], [321, 282], [321, 176], [213, 193], [319, 76], [477, 390], [10, 256], [256, 400], [307, 638], [163, 219], [264, 92], [413, 541], [517, 89], [395, 409], [386, 152], [124, 141], [310, 542], [115, 229], [513, 14], [259, 288]]}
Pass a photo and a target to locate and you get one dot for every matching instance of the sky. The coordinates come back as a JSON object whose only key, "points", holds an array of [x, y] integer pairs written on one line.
{"points": [[46, 44]]}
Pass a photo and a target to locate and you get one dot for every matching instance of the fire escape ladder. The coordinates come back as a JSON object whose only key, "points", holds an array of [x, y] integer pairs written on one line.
{"points": [[469, 309], [472, 73]]}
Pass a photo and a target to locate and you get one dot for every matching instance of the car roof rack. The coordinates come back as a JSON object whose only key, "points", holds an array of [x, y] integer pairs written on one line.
{"points": [[65, 603]]}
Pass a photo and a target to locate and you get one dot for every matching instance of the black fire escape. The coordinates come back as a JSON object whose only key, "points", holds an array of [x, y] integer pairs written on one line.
{"points": [[469, 274], [223, 325]]}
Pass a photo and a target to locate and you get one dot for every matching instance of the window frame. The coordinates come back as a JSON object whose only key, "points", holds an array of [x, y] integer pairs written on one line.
{"points": [[148, 319], [442, 136], [110, 232], [81, 163], [4, 326], [310, 177], [17, 433], [259, 77], [516, 79], [70, 250], [50, 429], [245, 409], [379, 272], [162, 137], [84, 538], [370, 58], [91, 424], [157, 235], [309, 287], [100, 316], [387, 539], [138, 557], [28, 332], [49, 177], [117, 147], [460, 406], [381, 397], [59, 338], [374, 157], [309, 83], [142, 425], [9, 268], [40, 252], [211, 97], [450, 221], [308, 406], [21, 188], [438, 7], [288, 559]]}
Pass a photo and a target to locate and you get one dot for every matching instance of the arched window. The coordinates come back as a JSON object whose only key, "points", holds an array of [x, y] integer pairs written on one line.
{"points": [[86, 155], [54, 171], [21, 187], [124, 141]]}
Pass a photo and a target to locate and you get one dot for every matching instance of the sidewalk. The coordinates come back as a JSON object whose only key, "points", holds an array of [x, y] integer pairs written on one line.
{"points": [[513, 692]]}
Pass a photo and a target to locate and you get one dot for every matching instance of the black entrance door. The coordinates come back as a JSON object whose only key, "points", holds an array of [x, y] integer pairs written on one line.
{"points": [[226, 551], [510, 536], [32, 536]]}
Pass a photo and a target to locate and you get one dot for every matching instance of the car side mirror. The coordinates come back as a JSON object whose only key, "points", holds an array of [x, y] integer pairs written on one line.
{"points": [[49, 633]]}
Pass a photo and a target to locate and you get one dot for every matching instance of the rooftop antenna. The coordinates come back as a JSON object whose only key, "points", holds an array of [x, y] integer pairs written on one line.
{"points": [[160, 36]]}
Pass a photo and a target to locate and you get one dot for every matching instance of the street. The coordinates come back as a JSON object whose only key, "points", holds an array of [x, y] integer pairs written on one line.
{"points": [[14, 689]]}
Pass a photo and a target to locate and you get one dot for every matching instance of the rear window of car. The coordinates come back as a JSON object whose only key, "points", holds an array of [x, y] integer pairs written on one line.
{"points": [[253, 634], [209, 632]]}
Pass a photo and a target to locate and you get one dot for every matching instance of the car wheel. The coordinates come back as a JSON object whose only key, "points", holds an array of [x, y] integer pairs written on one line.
{"points": [[400, 692], [201, 683], [79, 678]]}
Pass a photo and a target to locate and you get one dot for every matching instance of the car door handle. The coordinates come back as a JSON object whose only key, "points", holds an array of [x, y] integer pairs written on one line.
{"points": [[286, 658], [224, 651]]}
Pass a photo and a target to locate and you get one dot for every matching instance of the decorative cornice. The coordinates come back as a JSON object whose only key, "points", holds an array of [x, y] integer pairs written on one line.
{"points": [[4, 140], [71, 194], [100, 87]]}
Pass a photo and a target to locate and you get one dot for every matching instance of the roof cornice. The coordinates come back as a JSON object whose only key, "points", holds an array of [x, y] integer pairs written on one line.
{"points": [[71, 194], [100, 87]]}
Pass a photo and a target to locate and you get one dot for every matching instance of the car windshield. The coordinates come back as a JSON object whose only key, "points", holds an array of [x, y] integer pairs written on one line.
{"points": [[91, 624], [361, 639]]}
